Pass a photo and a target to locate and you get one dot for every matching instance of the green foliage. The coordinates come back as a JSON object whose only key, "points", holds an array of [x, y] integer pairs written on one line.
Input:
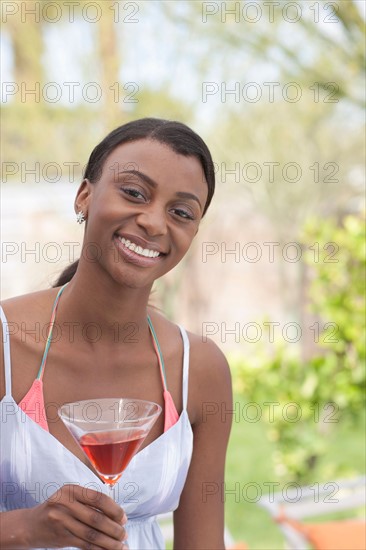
{"points": [[248, 462], [337, 292], [303, 401], [336, 58]]}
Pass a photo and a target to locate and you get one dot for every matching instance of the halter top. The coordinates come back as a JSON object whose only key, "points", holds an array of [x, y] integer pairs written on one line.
{"points": [[34, 464]]}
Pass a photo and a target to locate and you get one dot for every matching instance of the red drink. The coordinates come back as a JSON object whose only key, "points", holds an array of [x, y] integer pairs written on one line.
{"points": [[110, 453]]}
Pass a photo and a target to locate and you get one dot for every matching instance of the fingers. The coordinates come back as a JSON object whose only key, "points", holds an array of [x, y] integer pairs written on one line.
{"points": [[90, 538], [99, 522], [100, 501], [77, 517]]}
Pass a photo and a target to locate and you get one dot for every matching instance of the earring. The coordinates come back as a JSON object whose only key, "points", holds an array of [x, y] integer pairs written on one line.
{"points": [[80, 217]]}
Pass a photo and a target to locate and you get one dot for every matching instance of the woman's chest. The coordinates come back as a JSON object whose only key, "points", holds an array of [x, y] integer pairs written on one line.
{"points": [[151, 483]]}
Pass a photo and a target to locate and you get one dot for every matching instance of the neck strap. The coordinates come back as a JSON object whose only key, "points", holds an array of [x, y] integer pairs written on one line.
{"points": [[49, 336], [49, 340], [158, 353]]}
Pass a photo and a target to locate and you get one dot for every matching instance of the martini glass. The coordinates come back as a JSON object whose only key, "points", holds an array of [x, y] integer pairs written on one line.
{"points": [[110, 431]]}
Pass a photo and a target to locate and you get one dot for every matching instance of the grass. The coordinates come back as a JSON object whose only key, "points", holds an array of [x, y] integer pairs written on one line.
{"points": [[249, 465], [249, 462]]}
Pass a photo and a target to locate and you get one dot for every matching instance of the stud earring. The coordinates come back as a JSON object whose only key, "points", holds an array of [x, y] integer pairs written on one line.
{"points": [[80, 217]]}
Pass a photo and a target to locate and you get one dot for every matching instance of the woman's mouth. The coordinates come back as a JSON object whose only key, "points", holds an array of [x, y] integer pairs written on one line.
{"points": [[138, 249], [134, 253]]}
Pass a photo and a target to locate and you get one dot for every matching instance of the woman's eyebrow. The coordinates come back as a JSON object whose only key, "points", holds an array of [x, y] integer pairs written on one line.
{"points": [[142, 176], [186, 195], [153, 184]]}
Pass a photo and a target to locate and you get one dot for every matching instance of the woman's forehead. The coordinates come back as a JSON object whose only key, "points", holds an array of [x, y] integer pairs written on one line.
{"points": [[147, 151], [156, 160]]}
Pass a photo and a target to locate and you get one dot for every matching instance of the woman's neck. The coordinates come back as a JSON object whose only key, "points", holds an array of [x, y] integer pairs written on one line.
{"points": [[99, 305]]}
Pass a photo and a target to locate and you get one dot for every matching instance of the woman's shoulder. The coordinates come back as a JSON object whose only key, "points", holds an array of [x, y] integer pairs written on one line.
{"points": [[210, 368], [28, 306], [22, 313], [208, 364]]}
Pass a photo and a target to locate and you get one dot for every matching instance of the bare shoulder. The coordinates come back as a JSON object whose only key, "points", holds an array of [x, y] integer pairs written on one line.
{"points": [[207, 362], [207, 354], [210, 384], [209, 372], [27, 306], [21, 313]]}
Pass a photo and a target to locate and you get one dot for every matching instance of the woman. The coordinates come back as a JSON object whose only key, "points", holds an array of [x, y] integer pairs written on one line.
{"points": [[146, 187]]}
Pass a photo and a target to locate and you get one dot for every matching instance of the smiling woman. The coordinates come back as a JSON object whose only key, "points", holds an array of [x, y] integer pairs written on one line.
{"points": [[118, 160], [146, 187]]}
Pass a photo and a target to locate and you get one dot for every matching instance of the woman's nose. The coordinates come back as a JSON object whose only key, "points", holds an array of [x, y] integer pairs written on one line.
{"points": [[153, 221]]}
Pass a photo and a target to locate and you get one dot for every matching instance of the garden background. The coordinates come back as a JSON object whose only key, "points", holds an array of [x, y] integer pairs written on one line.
{"points": [[276, 273]]}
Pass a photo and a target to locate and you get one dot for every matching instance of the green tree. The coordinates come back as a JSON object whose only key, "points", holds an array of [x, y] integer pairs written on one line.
{"points": [[333, 33], [309, 399]]}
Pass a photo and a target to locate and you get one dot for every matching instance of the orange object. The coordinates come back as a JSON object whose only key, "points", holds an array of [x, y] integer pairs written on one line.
{"points": [[239, 546], [332, 535], [337, 535]]}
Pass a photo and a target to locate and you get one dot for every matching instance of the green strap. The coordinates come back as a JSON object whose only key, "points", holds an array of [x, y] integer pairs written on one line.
{"points": [[158, 348], [49, 336]]}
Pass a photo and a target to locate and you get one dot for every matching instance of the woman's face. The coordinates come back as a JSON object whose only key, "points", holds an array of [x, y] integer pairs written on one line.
{"points": [[144, 211]]}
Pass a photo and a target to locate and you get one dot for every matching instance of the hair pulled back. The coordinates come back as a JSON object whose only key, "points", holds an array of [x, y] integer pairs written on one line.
{"points": [[176, 135]]}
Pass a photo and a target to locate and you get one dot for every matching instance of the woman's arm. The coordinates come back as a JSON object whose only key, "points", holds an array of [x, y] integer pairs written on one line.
{"points": [[199, 519]]}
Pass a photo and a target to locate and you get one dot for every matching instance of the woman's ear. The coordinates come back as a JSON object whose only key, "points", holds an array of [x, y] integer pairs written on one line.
{"points": [[82, 198]]}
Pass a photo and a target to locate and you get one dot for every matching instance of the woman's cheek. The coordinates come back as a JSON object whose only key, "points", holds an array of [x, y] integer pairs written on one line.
{"points": [[186, 244]]}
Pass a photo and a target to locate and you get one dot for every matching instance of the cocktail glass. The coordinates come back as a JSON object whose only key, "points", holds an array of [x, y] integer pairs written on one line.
{"points": [[110, 431]]}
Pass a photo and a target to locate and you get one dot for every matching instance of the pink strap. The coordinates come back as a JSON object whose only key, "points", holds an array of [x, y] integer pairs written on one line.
{"points": [[171, 415], [159, 360], [33, 404]]}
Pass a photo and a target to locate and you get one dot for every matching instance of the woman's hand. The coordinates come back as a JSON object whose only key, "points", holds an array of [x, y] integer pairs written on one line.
{"points": [[79, 517]]}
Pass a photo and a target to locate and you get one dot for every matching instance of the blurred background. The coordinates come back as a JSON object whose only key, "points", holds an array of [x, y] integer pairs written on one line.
{"points": [[275, 275]]}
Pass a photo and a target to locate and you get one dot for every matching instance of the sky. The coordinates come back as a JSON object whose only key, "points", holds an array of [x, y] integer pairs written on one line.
{"points": [[157, 51], [154, 49]]}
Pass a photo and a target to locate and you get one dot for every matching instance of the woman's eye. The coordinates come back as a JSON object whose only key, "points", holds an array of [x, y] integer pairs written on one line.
{"points": [[183, 214], [135, 193]]}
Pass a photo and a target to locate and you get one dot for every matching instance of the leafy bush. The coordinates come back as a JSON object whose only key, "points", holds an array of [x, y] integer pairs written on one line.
{"points": [[303, 400]]}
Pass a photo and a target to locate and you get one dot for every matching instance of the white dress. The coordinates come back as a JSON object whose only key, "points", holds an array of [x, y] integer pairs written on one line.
{"points": [[34, 464]]}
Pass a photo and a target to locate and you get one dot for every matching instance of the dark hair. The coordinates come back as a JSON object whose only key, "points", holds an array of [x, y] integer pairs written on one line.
{"points": [[176, 135]]}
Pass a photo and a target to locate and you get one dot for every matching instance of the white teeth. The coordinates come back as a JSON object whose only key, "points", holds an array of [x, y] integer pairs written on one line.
{"points": [[138, 249]]}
